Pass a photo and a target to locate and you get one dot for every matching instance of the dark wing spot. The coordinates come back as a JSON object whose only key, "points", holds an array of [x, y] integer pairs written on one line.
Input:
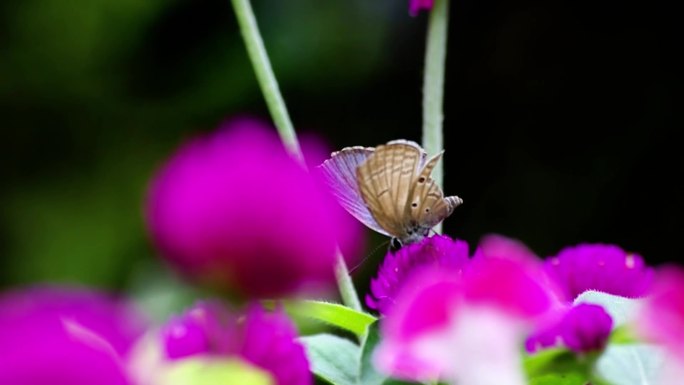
{"points": [[414, 204], [427, 209], [421, 179]]}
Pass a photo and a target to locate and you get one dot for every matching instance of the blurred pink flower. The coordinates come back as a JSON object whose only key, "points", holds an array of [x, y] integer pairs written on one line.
{"points": [[397, 267], [661, 319], [267, 340], [466, 328], [416, 6], [235, 210], [61, 336]]}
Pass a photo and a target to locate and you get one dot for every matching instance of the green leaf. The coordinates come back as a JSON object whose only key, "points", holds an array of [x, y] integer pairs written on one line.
{"points": [[211, 372], [331, 313], [333, 359], [634, 364], [621, 309], [556, 366], [623, 335]]}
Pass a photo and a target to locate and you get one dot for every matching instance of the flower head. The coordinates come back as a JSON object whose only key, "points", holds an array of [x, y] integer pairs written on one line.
{"points": [[605, 268], [62, 336], [416, 6], [438, 250], [465, 327], [266, 340], [234, 209]]}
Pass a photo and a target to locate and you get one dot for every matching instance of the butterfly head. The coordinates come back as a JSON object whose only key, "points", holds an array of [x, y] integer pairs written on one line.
{"points": [[414, 232]]}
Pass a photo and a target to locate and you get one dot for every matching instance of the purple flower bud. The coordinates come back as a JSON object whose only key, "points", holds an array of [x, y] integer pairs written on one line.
{"points": [[266, 340], [416, 6], [235, 210], [605, 268], [586, 328], [438, 250], [65, 336], [582, 328], [207, 328]]}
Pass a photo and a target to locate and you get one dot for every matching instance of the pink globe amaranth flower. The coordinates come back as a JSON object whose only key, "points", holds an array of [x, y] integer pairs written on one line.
{"points": [[416, 6], [65, 336], [466, 328], [438, 250], [600, 267], [576, 269], [235, 210], [266, 340], [582, 328], [661, 318]]}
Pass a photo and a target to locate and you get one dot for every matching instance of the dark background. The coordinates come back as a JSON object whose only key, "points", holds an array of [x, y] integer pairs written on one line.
{"points": [[561, 121]]}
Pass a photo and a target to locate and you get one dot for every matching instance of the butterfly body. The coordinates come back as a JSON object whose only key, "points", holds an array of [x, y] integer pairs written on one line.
{"points": [[389, 188]]}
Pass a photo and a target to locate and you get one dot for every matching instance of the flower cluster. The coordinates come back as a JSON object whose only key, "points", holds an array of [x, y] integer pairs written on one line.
{"points": [[233, 210], [463, 320]]}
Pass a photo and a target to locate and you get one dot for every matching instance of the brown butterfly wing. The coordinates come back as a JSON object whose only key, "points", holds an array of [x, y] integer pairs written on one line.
{"points": [[428, 206], [339, 173], [385, 183]]}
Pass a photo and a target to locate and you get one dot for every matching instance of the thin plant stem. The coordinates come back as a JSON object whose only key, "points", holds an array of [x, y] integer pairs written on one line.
{"points": [[433, 86], [276, 106], [345, 284], [265, 76]]}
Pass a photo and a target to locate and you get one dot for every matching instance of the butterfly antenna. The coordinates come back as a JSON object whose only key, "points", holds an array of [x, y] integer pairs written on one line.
{"points": [[375, 250]]}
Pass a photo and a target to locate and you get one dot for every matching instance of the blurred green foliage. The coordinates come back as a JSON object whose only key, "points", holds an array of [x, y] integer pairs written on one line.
{"points": [[95, 94]]}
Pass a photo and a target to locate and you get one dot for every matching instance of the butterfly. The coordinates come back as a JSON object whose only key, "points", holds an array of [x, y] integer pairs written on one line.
{"points": [[389, 189]]}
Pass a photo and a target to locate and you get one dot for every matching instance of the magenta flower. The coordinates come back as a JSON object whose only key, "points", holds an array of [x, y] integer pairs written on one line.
{"points": [[605, 268], [62, 336], [439, 251], [466, 328], [583, 328], [661, 319], [266, 340], [207, 328], [576, 269], [416, 6], [235, 210]]}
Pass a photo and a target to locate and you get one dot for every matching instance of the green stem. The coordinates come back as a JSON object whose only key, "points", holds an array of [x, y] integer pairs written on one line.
{"points": [[276, 106], [345, 284], [265, 76], [433, 86]]}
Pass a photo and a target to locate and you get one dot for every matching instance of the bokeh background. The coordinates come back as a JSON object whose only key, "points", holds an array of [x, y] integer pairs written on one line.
{"points": [[561, 122]]}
